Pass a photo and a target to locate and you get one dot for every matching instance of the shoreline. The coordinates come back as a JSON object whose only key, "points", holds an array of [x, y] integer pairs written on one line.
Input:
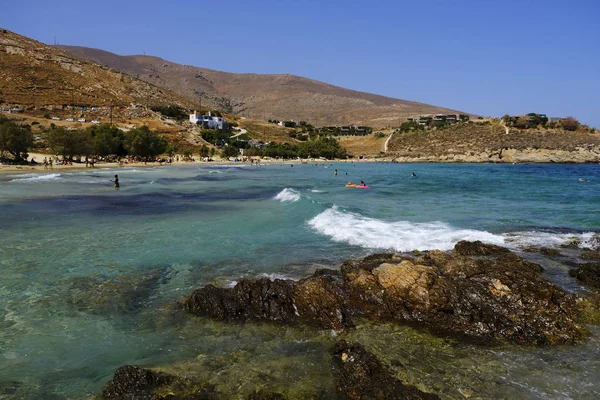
{"points": [[5, 168]]}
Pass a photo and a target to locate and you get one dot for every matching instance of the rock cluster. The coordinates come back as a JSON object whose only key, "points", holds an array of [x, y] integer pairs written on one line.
{"points": [[478, 291]]}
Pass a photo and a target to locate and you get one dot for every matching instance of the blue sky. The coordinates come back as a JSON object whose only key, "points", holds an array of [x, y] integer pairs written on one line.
{"points": [[481, 56]]}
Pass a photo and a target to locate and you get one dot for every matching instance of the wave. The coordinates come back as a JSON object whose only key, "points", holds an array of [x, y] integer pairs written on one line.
{"points": [[287, 194], [402, 236], [584, 240], [38, 178], [371, 233], [215, 172], [316, 191]]}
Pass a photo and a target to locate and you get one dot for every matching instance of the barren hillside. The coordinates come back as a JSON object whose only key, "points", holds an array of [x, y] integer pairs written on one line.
{"points": [[262, 96], [475, 142], [33, 74]]}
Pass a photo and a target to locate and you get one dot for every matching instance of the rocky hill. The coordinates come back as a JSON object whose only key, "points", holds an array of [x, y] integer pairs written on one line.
{"points": [[492, 142], [36, 75], [263, 96]]}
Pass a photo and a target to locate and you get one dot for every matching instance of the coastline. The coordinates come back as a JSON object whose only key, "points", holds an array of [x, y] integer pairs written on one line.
{"points": [[507, 156]]}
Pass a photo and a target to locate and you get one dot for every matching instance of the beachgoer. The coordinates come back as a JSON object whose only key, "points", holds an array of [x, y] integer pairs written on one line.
{"points": [[413, 174], [116, 181], [335, 173], [362, 183]]}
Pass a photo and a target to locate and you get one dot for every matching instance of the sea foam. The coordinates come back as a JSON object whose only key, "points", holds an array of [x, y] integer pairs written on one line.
{"points": [[371, 233], [288, 195], [38, 178], [357, 230]]}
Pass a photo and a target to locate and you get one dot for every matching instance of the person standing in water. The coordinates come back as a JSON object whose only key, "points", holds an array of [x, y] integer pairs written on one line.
{"points": [[335, 173], [116, 181]]}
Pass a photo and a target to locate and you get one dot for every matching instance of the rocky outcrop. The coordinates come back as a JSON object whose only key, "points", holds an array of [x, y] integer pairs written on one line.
{"points": [[588, 274], [479, 291], [360, 375]]}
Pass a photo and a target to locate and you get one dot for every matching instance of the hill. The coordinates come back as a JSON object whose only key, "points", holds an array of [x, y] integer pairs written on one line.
{"points": [[36, 75], [263, 96], [492, 142]]}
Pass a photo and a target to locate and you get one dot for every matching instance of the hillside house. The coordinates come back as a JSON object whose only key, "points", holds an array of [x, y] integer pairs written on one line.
{"points": [[208, 121]]}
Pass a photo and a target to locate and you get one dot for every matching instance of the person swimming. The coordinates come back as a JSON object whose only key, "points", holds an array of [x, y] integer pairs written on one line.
{"points": [[362, 183], [116, 181]]}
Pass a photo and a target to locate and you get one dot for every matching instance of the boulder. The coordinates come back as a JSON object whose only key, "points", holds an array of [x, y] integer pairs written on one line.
{"points": [[588, 274], [262, 300], [134, 383], [478, 248], [360, 375]]}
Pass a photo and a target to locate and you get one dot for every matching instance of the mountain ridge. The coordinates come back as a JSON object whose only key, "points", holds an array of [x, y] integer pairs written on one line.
{"points": [[34, 74], [264, 96]]}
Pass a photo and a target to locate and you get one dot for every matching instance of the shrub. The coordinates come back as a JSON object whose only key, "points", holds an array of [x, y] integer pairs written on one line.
{"points": [[569, 124]]}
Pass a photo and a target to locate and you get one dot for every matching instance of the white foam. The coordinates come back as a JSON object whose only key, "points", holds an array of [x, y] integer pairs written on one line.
{"points": [[371, 233], [215, 172], [316, 191], [549, 239], [39, 178], [274, 276], [287, 194]]}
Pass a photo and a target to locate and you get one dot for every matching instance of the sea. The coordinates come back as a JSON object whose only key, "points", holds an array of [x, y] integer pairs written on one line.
{"points": [[91, 276]]}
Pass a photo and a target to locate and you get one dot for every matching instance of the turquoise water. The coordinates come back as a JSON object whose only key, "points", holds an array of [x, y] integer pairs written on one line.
{"points": [[89, 274]]}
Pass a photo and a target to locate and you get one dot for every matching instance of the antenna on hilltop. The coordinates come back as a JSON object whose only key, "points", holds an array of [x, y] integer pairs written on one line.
{"points": [[55, 40]]}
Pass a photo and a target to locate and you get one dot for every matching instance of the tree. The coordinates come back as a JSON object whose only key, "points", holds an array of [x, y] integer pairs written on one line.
{"points": [[106, 140], [230, 151], [204, 151], [15, 139], [68, 143], [569, 124], [143, 142]]}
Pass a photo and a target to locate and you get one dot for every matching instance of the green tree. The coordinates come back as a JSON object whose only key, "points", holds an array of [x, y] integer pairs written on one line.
{"points": [[106, 140], [69, 143], [204, 151], [15, 139], [143, 142], [230, 151]]}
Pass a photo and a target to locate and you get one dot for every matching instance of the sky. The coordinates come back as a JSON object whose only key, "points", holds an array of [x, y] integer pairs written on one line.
{"points": [[486, 57]]}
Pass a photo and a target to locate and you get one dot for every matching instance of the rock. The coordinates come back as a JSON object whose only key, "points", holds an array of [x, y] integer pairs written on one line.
{"points": [[261, 300], [132, 383], [591, 255], [360, 375], [262, 395], [478, 248], [319, 300], [500, 296], [588, 274]]}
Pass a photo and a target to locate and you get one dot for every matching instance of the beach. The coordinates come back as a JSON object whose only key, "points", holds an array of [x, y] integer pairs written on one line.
{"points": [[93, 276]]}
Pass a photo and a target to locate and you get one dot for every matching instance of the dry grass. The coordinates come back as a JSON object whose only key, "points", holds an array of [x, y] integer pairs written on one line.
{"points": [[370, 146], [464, 138]]}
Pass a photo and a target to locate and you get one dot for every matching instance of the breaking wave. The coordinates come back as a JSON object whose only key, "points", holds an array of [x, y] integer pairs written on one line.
{"points": [[402, 236], [289, 195], [38, 178]]}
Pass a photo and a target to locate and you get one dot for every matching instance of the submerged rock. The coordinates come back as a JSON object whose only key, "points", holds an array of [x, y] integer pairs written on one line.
{"points": [[360, 375], [588, 274], [132, 383], [490, 294]]}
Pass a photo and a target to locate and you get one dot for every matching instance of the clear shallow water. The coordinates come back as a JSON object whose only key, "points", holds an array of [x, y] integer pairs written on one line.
{"points": [[89, 273]]}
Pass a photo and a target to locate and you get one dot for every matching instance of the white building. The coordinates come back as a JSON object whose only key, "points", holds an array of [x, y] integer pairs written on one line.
{"points": [[208, 121]]}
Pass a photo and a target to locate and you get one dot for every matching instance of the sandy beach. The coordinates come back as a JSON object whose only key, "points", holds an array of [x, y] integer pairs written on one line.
{"points": [[39, 157]]}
